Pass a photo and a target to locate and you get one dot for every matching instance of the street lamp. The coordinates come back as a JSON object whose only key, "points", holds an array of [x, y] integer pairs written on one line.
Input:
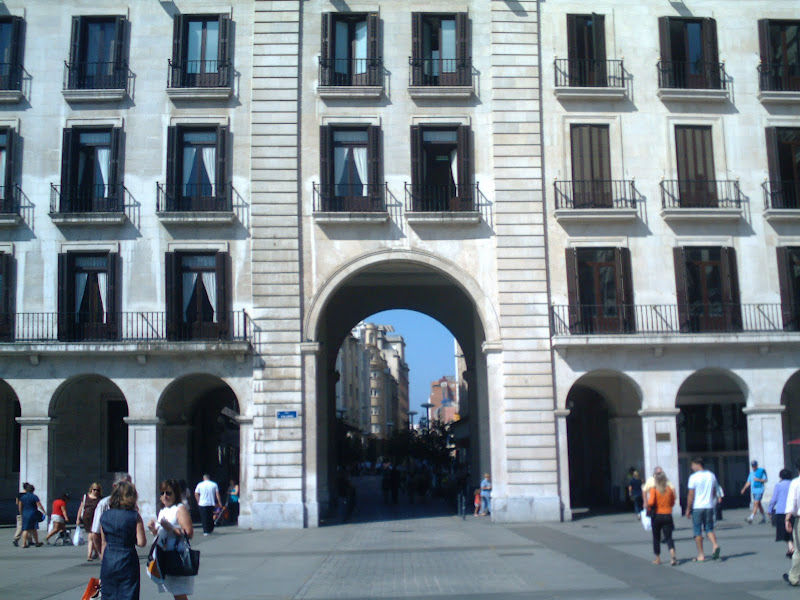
{"points": [[411, 415], [427, 406]]}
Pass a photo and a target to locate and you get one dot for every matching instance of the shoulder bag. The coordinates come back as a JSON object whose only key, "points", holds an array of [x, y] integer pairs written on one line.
{"points": [[182, 561]]}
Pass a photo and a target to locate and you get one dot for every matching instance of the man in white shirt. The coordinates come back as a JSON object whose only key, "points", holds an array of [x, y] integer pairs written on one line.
{"points": [[207, 495], [792, 509], [700, 505]]}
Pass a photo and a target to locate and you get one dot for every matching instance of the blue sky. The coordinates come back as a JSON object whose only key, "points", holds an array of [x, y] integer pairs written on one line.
{"points": [[429, 350]]}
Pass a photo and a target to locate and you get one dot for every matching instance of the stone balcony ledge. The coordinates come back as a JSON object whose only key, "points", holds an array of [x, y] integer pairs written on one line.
{"points": [[760, 340]]}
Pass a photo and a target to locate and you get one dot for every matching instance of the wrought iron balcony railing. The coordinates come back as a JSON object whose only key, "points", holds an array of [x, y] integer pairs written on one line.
{"points": [[194, 197], [604, 193], [96, 75], [441, 198], [701, 75], [670, 319], [779, 77], [350, 71], [10, 199], [432, 72], [11, 76], [96, 198], [700, 193], [365, 197], [199, 74], [580, 72], [120, 327], [781, 194]]}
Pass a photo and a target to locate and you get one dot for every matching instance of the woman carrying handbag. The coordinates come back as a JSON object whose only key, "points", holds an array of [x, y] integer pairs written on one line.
{"points": [[660, 500], [171, 527]]}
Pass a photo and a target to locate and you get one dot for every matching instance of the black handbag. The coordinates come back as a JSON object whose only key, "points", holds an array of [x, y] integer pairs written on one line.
{"points": [[182, 561]]}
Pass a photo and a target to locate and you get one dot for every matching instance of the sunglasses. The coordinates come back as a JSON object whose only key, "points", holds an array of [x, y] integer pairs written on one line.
{"points": [[167, 494], [95, 489]]}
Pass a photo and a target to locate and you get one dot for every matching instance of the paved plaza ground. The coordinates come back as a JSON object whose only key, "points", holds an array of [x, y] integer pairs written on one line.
{"points": [[422, 551]]}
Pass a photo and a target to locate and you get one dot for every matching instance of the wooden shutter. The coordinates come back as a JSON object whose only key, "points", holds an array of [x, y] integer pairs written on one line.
{"points": [[178, 26], [599, 50], [417, 172], [173, 153], [16, 55], [222, 167], [664, 38], [11, 169], [5, 296], [416, 49], [695, 160], [64, 288], [326, 49], [464, 152], [68, 140], [789, 299], [75, 40], [572, 37], [462, 49], [375, 162], [221, 308], [730, 288], [113, 295], [573, 291], [224, 56], [118, 54], [325, 166], [373, 50], [773, 167], [764, 42], [711, 54], [116, 170], [681, 289], [172, 297], [624, 284]]}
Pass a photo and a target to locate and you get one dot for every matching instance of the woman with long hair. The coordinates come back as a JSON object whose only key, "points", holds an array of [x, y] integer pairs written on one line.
{"points": [[660, 501], [172, 524], [31, 507], [121, 528], [86, 516]]}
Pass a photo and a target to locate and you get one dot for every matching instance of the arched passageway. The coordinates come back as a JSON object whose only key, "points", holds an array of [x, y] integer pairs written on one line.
{"points": [[9, 451], [790, 399], [604, 439]]}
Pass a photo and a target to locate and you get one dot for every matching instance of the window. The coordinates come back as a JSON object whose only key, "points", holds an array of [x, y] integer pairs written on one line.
{"points": [[591, 167], [91, 170], [11, 46], [9, 201], [6, 306], [349, 50], [116, 436], [789, 279], [689, 56], [779, 43], [350, 169], [197, 169], [97, 54], [707, 289], [586, 47], [695, 159], [197, 295], [201, 51], [87, 296], [600, 290], [440, 54], [783, 158], [441, 168]]}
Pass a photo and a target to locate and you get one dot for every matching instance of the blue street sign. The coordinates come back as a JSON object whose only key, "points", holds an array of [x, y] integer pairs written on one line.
{"points": [[287, 414]]}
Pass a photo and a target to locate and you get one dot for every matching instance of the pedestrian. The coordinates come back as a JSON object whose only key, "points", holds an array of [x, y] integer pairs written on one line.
{"points": [[102, 506], [18, 530], [755, 481], [207, 495], [790, 520], [32, 511], [700, 503], [477, 502], [170, 527], [233, 501], [486, 494], [58, 517], [720, 496], [777, 510], [635, 492], [660, 500], [651, 482], [121, 528], [86, 517]]}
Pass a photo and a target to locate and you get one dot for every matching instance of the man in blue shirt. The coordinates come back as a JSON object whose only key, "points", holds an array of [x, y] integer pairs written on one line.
{"points": [[755, 481]]}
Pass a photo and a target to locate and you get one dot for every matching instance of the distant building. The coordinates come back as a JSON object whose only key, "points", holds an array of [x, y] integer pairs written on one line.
{"points": [[444, 397]]}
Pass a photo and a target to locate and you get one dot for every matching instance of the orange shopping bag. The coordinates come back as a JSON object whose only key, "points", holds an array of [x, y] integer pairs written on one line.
{"points": [[92, 589]]}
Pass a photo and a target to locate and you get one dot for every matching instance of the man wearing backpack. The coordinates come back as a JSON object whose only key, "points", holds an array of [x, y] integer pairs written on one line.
{"points": [[755, 481]]}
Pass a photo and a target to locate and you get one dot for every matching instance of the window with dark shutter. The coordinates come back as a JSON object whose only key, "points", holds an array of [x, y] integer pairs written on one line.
{"points": [[789, 280], [9, 200], [689, 55], [695, 159], [783, 159], [375, 167], [348, 157], [97, 53], [87, 296], [440, 50], [91, 170], [681, 289], [586, 50], [600, 290], [591, 166], [779, 46], [6, 305], [201, 56], [441, 168], [197, 288], [708, 289], [197, 169], [349, 50], [11, 53]]}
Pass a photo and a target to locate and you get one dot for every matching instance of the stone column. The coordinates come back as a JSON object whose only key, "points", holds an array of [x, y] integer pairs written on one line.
{"points": [[493, 354], [660, 441], [246, 470], [562, 454], [143, 461], [34, 455], [310, 352], [765, 443]]}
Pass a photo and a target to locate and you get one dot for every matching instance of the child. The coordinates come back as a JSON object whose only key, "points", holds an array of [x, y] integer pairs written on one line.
{"points": [[477, 502]]}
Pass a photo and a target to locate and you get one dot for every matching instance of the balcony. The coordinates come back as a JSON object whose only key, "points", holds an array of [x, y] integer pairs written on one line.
{"points": [[715, 200], [595, 200], [10, 205], [350, 78], [587, 79], [11, 83], [95, 81], [442, 203], [195, 204], [440, 78], [698, 81], [88, 205], [781, 200], [347, 203], [199, 79], [779, 82]]}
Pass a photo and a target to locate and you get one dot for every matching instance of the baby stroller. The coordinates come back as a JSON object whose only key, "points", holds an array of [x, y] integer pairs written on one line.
{"points": [[221, 515], [64, 538]]}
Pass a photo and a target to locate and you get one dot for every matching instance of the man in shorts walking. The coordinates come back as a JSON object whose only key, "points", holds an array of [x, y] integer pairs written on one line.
{"points": [[755, 481], [700, 507]]}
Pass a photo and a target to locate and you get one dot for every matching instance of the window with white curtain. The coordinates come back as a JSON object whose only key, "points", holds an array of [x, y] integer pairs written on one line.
{"points": [[199, 288], [94, 163], [199, 163], [350, 172], [91, 285]]}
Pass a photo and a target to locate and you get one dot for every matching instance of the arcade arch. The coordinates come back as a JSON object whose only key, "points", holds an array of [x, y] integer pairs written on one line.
{"points": [[790, 398], [9, 441]]}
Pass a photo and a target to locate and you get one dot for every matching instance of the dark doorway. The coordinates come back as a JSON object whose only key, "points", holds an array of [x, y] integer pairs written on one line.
{"points": [[589, 449]]}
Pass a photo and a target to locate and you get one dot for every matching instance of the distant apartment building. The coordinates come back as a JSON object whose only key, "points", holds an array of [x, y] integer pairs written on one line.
{"points": [[444, 397]]}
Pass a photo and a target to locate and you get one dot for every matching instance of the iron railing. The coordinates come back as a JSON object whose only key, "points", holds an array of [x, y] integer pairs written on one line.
{"points": [[700, 193], [194, 197], [350, 71], [199, 73], [441, 198], [586, 72], [440, 71], [10, 199], [96, 75], [365, 197], [700, 74], [605, 193], [781, 194], [670, 318], [779, 77], [11, 76], [97, 198], [143, 326]]}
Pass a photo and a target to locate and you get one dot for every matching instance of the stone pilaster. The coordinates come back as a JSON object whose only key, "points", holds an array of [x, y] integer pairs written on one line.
{"points": [[660, 440], [34, 455], [142, 463], [765, 443]]}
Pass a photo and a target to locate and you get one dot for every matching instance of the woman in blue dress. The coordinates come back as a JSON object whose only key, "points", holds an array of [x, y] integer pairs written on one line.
{"points": [[121, 528], [30, 516]]}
